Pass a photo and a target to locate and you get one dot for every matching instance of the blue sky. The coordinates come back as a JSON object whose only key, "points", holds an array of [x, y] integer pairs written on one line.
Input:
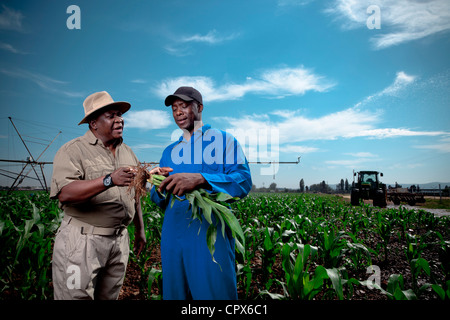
{"points": [[296, 77]]}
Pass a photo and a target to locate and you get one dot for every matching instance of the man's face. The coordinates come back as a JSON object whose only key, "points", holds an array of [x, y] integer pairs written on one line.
{"points": [[109, 125], [185, 114]]}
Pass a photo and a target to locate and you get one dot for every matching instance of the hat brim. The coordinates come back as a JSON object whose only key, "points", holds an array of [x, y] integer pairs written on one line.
{"points": [[123, 107], [170, 99]]}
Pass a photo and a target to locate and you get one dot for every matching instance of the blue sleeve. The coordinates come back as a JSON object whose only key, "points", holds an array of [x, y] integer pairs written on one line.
{"points": [[236, 179]]}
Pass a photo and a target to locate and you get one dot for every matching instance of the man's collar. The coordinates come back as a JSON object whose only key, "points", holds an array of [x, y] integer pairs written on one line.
{"points": [[197, 133]]}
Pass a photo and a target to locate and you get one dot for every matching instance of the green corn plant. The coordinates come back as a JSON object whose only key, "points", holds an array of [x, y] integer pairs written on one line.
{"points": [[443, 291], [155, 275], [358, 255], [300, 284], [268, 255], [213, 206], [332, 247], [395, 289], [417, 266], [384, 229]]}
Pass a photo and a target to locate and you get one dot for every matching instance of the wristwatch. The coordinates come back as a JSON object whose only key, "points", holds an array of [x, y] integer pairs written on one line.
{"points": [[107, 181]]}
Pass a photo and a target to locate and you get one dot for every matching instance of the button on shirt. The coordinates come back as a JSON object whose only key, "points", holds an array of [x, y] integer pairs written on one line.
{"points": [[86, 158]]}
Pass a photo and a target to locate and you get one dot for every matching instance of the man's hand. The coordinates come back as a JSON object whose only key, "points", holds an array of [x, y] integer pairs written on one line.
{"points": [[123, 176], [139, 241], [180, 183], [163, 171]]}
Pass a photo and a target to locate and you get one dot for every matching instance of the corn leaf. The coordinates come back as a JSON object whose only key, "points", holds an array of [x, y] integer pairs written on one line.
{"points": [[214, 208]]}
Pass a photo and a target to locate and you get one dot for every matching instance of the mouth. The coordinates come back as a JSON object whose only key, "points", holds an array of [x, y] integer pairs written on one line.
{"points": [[181, 121], [118, 129]]}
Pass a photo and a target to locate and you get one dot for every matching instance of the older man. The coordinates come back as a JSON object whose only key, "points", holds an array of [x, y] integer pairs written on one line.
{"points": [[207, 158], [90, 178]]}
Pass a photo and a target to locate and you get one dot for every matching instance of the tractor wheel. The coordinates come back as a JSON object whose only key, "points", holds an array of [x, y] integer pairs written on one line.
{"points": [[354, 199], [379, 200]]}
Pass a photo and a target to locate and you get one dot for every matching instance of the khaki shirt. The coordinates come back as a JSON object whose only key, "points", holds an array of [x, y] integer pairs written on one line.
{"points": [[86, 158]]}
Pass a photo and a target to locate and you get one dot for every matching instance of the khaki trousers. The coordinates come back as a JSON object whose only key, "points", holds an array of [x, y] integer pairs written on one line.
{"points": [[88, 266]]}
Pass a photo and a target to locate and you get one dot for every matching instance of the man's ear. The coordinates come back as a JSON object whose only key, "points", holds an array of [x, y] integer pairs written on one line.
{"points": [[200, 108], [93, 124]]}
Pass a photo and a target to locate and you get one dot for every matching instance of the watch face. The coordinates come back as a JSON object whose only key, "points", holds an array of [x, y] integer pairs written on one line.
{"points": [[107, 181]]}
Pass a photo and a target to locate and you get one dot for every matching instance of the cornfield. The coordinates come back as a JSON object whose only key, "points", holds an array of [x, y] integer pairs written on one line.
{"points": [[297, 246]]}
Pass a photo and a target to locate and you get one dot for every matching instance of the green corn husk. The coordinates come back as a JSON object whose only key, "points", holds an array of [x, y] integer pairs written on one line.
{"points": [[211, 204]]}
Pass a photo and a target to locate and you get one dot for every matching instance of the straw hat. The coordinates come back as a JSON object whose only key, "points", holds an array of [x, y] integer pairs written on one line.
{"points": [[100, 100]]}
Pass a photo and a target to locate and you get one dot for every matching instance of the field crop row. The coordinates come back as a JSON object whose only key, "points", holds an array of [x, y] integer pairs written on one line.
{"points": [[298, 246]]}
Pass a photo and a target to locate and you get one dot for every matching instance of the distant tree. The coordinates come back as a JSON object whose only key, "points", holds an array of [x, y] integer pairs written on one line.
{"points": [[320, 187], [302, 185], [342, 185], [273, 186], [346, 185]]}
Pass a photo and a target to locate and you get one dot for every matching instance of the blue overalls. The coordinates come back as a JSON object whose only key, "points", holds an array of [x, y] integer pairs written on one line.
{"points": [[188, 269]]}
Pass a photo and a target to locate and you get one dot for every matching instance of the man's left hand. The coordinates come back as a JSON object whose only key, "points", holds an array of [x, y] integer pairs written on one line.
{"points": [[139, 241]]}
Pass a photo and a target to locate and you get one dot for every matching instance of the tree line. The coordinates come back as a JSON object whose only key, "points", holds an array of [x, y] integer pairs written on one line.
{"points": [[323, 187]]}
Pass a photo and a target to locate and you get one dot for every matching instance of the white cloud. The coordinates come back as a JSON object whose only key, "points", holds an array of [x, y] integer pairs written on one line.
{"points": [[298, 128], [362, 155], [349, 163], [297, 149], [401, 20], [293, 127], [144, 146], [11, 19], [273, 82], [212, 37], [393, 132], [48, 84], [358, 159], [288, 3], [181, 46], [139, 81], [401, 82], [147, 119], [178, 50], [442, 147], [10, 48]]}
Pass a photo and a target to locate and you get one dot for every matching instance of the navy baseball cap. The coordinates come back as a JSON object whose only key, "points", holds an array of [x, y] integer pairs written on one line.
{"points": [[186, 94]]}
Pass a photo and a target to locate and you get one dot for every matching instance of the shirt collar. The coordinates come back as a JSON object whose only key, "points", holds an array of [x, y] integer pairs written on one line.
{"points": [[198, 133], [92, 139]]}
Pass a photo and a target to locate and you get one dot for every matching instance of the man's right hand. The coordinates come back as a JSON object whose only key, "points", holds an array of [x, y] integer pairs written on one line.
{"points": [[123, 176]]}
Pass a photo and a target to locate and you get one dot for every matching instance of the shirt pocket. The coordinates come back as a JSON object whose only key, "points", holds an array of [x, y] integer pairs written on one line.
{"points": [[110, 194]]}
